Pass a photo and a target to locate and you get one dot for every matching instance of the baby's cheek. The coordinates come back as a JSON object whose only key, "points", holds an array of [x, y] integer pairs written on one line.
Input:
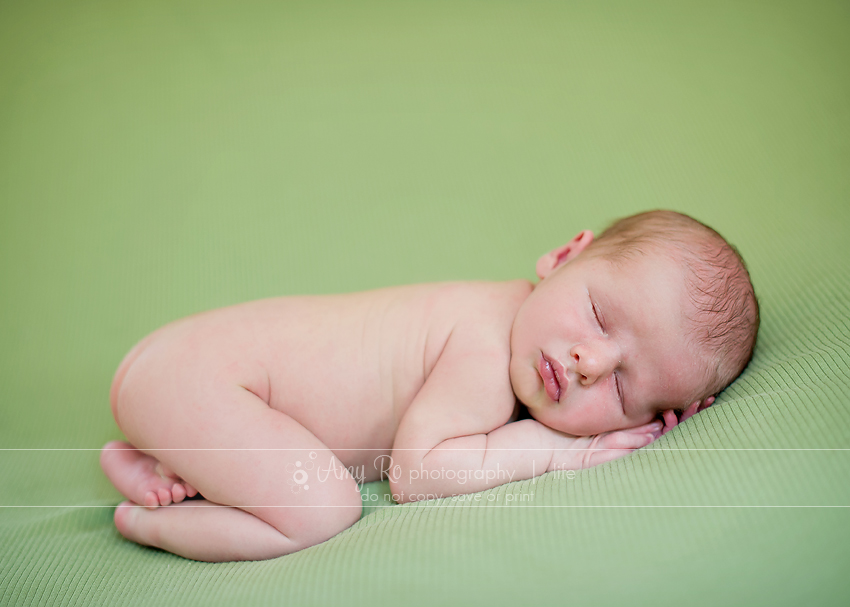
{"points": [[596, 420]]}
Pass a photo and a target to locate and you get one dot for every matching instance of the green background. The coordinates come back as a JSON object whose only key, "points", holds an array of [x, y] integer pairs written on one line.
{"points": [[158, 159]]}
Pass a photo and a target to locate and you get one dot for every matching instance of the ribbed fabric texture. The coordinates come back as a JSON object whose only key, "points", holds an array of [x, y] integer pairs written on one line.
{"points": [[162, 158]]}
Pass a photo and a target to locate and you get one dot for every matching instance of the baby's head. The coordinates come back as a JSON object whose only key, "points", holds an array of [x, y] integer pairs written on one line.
{"points": [[654, 317]]}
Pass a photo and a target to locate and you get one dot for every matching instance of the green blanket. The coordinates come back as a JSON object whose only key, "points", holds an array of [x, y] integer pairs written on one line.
{"points": [[162, 158]]}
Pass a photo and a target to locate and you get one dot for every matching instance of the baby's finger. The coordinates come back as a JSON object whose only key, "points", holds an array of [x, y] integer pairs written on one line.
{"points": [[594, 450], [595, 457], [670, 421], [616, 445], [626, 440], [654, 427]]}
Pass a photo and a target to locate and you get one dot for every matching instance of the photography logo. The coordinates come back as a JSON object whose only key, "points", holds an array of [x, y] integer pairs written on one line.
{"points": [[298, 470]]}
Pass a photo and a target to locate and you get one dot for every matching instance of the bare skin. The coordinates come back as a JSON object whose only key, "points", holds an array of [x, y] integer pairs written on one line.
{"points": [[275, 410], [143, 479]]}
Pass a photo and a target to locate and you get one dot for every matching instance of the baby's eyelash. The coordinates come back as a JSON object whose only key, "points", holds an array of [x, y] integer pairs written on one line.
{"points": [[596, 314], [619, 388]]}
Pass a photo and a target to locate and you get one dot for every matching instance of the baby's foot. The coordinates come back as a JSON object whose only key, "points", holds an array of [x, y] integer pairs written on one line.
{"points": [[142, 478]]}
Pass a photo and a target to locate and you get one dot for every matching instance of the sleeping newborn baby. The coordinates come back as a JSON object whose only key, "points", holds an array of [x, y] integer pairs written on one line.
{"points": [[269, 413]]}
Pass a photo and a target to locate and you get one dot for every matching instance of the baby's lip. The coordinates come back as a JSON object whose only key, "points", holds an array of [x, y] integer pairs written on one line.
{"points": [[554, 377], [561, 376]]}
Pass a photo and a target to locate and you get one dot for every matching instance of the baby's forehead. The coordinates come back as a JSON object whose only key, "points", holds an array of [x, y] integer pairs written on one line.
{"points": [[646, 271], [645, 254], [647, 302], [701, 293]]}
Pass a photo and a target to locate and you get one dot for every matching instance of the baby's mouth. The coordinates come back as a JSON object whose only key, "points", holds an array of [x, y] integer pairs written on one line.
{"points": [[551, 381]]}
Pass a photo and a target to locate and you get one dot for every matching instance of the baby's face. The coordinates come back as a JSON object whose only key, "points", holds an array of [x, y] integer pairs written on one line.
{"points": [[599, 347]]}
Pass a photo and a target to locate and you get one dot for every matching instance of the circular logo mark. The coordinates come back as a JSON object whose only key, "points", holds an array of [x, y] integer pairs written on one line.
{"points": [[298, 470]]}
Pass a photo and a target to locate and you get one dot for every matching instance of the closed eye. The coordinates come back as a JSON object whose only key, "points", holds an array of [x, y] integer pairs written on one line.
{"points": [[597, 316], [599, 321], [619, 388]]}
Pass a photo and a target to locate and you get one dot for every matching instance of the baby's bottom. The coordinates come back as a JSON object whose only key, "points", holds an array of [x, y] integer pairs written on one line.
{"points": [[242, 456]]}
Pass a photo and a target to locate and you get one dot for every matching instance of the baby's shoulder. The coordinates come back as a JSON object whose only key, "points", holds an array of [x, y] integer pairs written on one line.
{"points": [[483, 297], [478, 310]]}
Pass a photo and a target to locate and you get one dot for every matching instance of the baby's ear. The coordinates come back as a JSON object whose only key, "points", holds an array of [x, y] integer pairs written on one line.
{"points": [[561, 255]]}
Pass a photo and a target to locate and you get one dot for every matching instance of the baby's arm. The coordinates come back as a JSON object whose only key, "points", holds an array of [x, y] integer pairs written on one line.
{"points": [[455, 438], [513, 452]]}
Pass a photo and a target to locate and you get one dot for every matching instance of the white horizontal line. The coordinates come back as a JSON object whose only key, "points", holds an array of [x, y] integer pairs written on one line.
{"points": [[302, 449], [459, 501]]}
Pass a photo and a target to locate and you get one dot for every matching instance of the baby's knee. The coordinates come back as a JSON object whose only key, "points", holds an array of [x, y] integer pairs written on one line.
{"points": [[332, 520], [317, 522], [346, 513]]}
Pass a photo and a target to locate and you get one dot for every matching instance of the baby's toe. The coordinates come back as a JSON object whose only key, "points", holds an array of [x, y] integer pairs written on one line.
{"points": [[122, 516], [178, 493], [164, 497], [190, 490], [151, 500]]}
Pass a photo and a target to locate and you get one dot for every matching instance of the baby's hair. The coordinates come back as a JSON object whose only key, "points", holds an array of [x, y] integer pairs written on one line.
{"points": [[725, 313]]}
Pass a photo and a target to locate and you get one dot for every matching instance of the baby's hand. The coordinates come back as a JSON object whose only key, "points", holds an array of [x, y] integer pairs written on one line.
{"points": [[672, 419], [579, 452]]}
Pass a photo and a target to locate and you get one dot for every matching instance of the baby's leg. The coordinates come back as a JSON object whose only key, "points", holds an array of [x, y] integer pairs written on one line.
{"points": [[203, 531], [271, 486]]}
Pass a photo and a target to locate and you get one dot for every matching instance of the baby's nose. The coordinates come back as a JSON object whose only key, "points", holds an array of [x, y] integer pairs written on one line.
{"points": [[593, 361]]}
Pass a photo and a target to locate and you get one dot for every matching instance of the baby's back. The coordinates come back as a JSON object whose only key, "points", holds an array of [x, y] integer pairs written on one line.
{"points": [[346, 367]]}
